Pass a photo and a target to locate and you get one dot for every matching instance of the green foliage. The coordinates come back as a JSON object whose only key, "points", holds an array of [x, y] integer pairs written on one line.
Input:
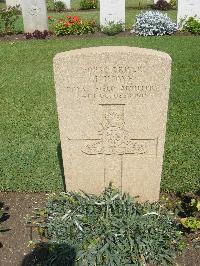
{"points": [[109, 229], [173, 3], [191, 223], [88, 4], [59, 6], [50, 5], [73, 26], [187, 210], [192, 25], [8, 18], [112, 28]]}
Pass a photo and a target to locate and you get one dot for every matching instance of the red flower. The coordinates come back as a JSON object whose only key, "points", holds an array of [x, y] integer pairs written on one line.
{"points": [[50, 17], [75, 18], [68, 17], [67, 24]]}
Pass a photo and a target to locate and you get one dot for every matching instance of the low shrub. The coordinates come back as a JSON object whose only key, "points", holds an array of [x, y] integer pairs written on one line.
{"points": [[109, 229], [191, 25], [50, 5], [162, 5], [59, 6], [88, 4], [72, 25], [187, 209], [191, 223], [153, 23], [112, 28], [8, 17], [37, 35]]}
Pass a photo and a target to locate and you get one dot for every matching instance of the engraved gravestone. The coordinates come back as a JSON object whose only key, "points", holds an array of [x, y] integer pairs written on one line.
{"points": [[112, 105], [34, 15], [112, 11], [186, 9]]}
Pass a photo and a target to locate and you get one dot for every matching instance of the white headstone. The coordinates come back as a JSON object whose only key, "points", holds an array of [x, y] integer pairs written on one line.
{"points": [[186, 9], [66, 2], [112, 11], [112, 115], [13, 2], [34, 15]]}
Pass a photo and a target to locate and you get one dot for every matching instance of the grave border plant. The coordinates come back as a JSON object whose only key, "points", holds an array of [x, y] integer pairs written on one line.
{"points": [[72, 25], [192, 25], [88, 4], [153, 23], [113, 28], [8, 18], [110, 229]]}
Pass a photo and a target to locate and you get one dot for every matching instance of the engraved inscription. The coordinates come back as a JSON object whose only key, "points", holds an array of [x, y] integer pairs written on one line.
{"points": [[114, 138], [111, 83], [114, 93], [34, 10]]}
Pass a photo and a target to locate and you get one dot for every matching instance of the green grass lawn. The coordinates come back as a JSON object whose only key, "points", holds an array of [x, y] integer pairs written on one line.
{"points": [[29, 132]]}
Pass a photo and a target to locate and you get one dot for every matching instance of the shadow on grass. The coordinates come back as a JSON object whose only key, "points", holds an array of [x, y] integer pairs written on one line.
{"points": [[50, 254], [60, 159]]}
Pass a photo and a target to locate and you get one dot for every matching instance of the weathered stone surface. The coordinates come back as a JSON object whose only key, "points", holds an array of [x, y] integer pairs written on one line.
{"points": [[186, 9], [66, 2], [13, 2], [34, 15], [112, 11], [112, 104]]}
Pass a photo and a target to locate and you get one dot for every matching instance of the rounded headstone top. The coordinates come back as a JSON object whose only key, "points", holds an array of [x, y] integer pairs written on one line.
{"points": [[112, 50]]}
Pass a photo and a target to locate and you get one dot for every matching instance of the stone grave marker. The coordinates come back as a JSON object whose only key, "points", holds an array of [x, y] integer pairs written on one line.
{"points": [[13, 3], [34, 15], [66, 2], [186, 9], [112, 11], [112, 104]]}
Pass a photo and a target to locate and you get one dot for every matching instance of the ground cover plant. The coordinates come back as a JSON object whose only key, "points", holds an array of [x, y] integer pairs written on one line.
{"points": [[110, 229], [112, 28], [30, 154], [192, 25], [153, 23], [88, 4]]}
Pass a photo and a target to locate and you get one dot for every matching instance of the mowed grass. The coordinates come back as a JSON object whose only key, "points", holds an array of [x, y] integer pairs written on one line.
{"points": [[29, 148]]}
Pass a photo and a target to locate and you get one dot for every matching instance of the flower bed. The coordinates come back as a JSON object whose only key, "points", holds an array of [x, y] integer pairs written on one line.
{"points": [[72, 25]]}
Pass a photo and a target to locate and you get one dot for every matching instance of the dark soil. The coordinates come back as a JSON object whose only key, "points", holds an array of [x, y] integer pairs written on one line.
{"points": [[127, 33], [16, 236], [15, 250]]}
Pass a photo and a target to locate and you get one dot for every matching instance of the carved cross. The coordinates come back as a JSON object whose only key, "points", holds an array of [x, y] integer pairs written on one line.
{"points": [[114, 142]]}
